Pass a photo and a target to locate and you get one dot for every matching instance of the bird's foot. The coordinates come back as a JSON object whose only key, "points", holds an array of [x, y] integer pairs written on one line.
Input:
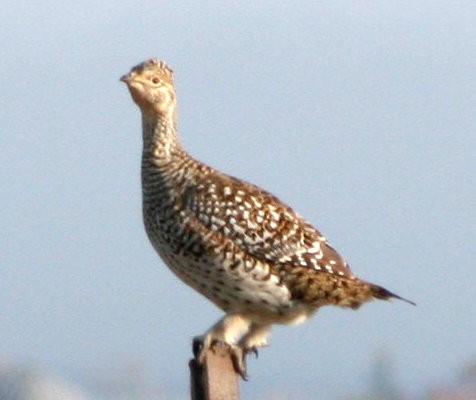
{"points": [[251, 344], [256, 338], [238, 357], [253, 349]]}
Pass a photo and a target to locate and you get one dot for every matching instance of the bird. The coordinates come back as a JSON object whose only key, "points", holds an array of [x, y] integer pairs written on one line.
{"points": [[235, 243]]}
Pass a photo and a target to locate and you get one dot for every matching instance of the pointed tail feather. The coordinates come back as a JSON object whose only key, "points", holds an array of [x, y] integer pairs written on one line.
{"points": [[381, 293]]}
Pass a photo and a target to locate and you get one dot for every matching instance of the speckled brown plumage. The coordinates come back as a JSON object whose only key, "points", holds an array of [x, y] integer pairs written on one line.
{"points": [[233, 242]]}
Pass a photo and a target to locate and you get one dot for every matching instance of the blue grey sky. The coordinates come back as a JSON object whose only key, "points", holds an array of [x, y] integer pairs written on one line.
{"points": [[361, 115]]}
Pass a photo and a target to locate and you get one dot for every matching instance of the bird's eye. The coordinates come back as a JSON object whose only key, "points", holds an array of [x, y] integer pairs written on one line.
{"points": [[155, 80]]}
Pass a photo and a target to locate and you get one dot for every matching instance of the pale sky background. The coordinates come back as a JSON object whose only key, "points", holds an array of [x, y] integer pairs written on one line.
{"points": [[359, 114]]}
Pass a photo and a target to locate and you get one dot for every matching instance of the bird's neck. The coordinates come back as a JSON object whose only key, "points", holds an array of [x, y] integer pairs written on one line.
{"points": [[160, 138]]}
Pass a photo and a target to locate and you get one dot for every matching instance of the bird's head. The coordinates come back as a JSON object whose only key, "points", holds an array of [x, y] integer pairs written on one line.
{"points": [[151, 85]]}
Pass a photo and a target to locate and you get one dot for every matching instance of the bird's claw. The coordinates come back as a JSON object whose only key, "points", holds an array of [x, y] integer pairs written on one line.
{"points": [[253, 350], [238, 357]]}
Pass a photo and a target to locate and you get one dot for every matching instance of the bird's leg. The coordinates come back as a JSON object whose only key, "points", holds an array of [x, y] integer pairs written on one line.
{"points": [[226, 331], [256, 337], [249, 343]]}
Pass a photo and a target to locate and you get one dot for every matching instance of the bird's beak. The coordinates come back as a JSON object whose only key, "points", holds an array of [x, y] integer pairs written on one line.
{"points": [[125, 78]]}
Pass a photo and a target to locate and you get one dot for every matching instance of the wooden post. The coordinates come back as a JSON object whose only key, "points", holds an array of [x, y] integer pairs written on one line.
{"points": [[216, 379]]}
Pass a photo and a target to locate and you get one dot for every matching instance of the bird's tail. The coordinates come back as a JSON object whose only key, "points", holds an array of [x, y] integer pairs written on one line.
{"points": [[381, 293]]}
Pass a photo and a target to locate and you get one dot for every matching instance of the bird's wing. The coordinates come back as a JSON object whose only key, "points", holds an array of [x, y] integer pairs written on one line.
{"points": [[261, 225]]}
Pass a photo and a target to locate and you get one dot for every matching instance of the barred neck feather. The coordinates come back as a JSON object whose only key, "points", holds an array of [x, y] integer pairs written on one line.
{"points": [[167, 169], [160, 137]]}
